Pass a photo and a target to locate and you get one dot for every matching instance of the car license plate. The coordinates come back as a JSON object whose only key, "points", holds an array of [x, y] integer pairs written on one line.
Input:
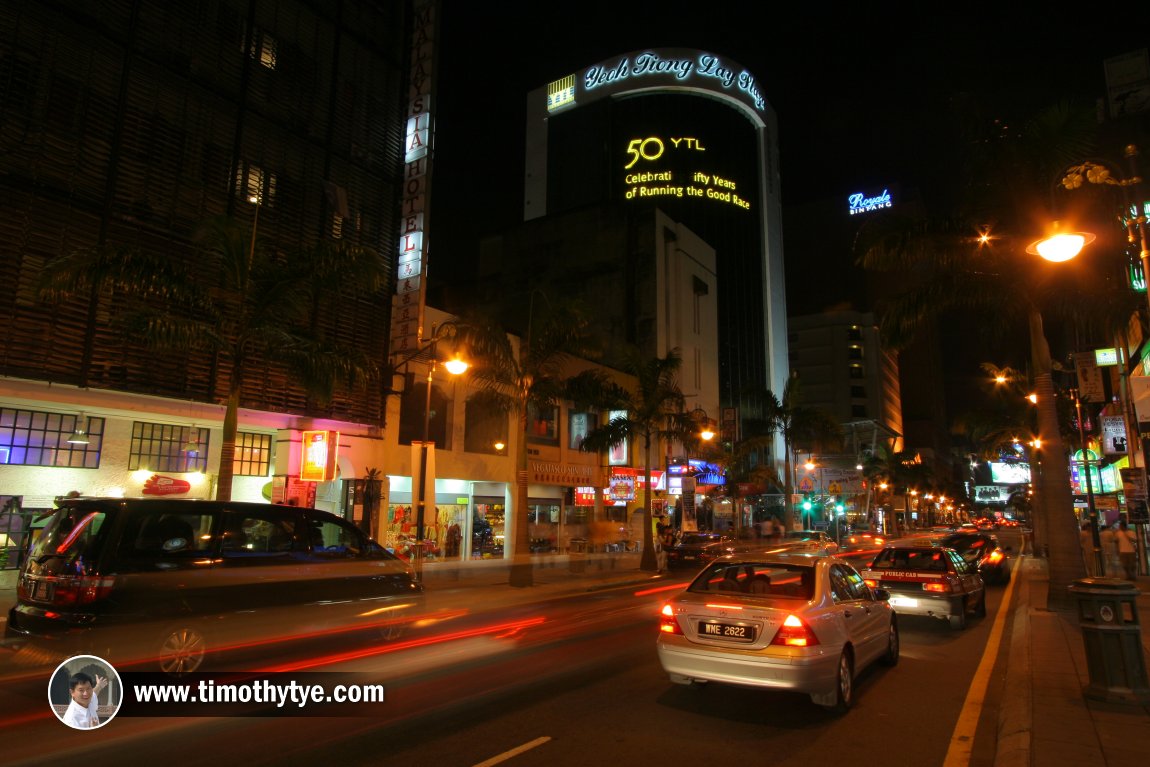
{"points": [[727, 631], [43, 591], [903, 602]]}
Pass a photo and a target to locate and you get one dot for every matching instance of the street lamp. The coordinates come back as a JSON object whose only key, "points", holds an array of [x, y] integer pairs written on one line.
{"points": [[455, 366]]}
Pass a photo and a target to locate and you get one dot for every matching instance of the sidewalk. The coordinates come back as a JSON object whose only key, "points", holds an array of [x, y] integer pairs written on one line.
{"points": [[1045, 718]]}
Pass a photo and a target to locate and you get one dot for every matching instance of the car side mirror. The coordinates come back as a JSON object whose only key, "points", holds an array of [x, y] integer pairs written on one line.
{"points": [[881, 595]]}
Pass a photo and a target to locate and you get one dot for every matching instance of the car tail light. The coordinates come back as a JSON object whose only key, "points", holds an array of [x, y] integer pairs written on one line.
{"points": [[879, 541], [668, 624], [795, 633], [995, 557], [938, 587], [872, 582]]}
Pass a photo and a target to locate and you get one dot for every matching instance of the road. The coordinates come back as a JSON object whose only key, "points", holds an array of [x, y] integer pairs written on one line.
{"points": [[556, 683]]}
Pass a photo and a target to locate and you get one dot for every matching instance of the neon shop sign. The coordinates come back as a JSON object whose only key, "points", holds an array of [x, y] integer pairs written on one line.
{"points": [[859, 203]]}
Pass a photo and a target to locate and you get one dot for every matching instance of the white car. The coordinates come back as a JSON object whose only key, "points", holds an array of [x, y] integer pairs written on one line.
{"points": [[800, 622]]}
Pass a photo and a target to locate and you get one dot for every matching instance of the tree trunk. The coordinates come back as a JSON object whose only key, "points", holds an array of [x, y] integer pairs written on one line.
{"points": [[1059, 528], [648, 560], [521, 569], [228, 448]]}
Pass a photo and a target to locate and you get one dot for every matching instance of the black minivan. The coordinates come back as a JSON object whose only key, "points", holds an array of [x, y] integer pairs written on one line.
{"points": [[164, 582]]}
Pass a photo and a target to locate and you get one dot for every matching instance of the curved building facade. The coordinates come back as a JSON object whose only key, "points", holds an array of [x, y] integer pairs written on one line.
{"points": [[690, 134]]}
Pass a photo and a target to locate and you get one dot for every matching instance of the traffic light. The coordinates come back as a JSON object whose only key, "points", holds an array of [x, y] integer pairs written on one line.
{"points": [[806, 504]]}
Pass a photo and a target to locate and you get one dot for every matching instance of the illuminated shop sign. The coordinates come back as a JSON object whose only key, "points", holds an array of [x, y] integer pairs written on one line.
{"points": [[561, 93], [676, 166], [622, 485], [860, 203], [1104, 357], [617, 455], [317, 464], [704, 70]]}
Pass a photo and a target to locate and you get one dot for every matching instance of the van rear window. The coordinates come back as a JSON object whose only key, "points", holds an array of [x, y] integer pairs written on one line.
{"points": [[71, 534]]}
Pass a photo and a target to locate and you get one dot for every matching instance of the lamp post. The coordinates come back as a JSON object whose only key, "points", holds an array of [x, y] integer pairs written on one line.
{"points": [[1099, 558], [454, 366]]}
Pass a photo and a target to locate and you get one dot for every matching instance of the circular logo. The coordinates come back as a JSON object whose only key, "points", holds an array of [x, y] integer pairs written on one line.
{"points": [[85, 692], [1106, 613]]}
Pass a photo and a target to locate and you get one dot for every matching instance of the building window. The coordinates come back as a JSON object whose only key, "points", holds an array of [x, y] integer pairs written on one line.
{"points": [[856, 371], [253, 455], [166, 447], [33, 438], [700, 289], [854, 333], [484, 425], [855, 352], [858, 392], [858, 411], [264, 49], [254, 183], [579, 425], [543, 424]]}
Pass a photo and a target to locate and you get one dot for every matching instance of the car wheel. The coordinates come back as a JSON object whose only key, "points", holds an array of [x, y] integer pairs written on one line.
{"points": [[844, 685], [891, 656], [958, 619], [182, 649], [980, 609]]}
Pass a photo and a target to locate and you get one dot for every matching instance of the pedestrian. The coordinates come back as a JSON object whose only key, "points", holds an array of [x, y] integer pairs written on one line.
{"points": [[660, 549], [1089, 558], [1126, 551]]}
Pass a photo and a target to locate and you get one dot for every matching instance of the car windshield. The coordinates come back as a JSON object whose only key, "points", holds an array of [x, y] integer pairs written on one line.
{"points": [[699, 539], [762, 579]]}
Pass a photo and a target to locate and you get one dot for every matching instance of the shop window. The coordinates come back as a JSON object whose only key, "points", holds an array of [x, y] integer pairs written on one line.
{"points": [[543, 424], [167, 447], [253, 455], [34, 438]]}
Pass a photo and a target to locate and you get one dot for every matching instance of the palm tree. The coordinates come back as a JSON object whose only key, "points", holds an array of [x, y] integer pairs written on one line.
{"points": [[902, 470], [535, 373], [797, 424], [962, 264], [261, 305], [654, 414]]}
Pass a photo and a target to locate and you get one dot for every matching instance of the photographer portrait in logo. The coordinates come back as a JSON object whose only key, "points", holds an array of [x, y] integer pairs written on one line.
{"points": [[85, 692]]}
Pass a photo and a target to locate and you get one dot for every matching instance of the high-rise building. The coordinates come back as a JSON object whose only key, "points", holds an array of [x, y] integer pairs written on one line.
{"points": [[129, 125]]}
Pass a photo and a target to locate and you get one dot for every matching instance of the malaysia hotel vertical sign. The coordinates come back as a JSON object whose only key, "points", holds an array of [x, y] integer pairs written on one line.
{"points": [[411, 264]]}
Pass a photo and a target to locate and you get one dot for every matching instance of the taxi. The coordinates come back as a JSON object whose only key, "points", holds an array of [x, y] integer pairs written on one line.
{"points": [[928, 580]]}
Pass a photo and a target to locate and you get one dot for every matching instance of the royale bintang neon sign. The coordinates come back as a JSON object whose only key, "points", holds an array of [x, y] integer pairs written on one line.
{"points": [[859, 204]]}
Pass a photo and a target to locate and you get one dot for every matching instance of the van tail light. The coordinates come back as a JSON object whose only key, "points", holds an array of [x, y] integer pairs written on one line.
{"points": [[67, 591], [795, 633], [667, 622]]}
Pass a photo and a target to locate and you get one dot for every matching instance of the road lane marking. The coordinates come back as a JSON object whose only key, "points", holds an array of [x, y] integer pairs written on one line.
{"points": [[962, 739], [514, 752]]}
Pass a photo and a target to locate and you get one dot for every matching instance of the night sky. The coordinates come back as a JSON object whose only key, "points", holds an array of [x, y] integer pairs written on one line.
{"points": [[858, 91]]}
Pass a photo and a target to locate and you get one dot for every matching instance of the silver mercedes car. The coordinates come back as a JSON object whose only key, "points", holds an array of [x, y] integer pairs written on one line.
{"points": [[801, 622]]}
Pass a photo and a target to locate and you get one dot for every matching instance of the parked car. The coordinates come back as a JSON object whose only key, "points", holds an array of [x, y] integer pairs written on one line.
{"points": [[984, 550], [697, 549], [169, 581], [929, 580], [798, 622]]}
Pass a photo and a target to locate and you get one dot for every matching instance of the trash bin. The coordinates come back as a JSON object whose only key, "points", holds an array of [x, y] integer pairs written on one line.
{"points": [[1112, 636]]}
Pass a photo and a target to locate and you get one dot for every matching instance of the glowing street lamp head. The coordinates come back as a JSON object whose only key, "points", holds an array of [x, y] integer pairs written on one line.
{"points": [[1060, 246], [456, 366]]}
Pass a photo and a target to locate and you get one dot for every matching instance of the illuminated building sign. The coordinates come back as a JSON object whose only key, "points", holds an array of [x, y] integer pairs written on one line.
{"points": [[617, 454], [676, 166], [1105, 356], [860, 203], [679, 67], [621, 486], [407, 308], [584, 496], [1009, 473], [317, 462], [561, 93]]}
